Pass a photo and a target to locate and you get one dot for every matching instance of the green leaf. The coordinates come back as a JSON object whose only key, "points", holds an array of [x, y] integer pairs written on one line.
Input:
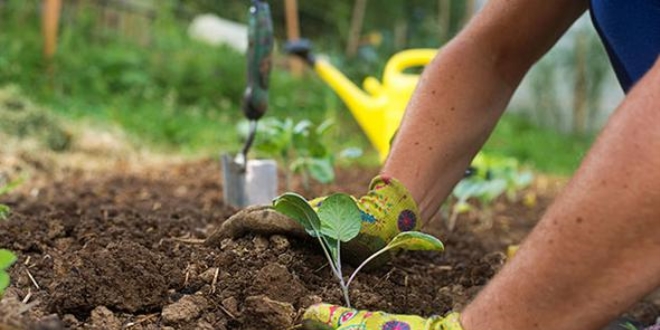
{"points": [[523, 179], [6, 259], [302, 127], [324, 126], [351, 153], [466, 189], [4, 282], [340, 217], [491, 189], [297, 208], [4, 211], [414, 240], [321, 170], [11, 185]]}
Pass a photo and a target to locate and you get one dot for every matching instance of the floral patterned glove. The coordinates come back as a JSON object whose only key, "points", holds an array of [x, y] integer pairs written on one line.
{"points": [[331, 317], [386, 210]]}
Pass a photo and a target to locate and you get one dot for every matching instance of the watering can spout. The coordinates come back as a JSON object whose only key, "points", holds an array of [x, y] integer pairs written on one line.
{"points": [[380, 108]]}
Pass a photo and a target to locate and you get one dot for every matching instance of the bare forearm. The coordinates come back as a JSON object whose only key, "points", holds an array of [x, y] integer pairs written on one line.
{"points": [[465, 90], [598, 247], [455, 107]]}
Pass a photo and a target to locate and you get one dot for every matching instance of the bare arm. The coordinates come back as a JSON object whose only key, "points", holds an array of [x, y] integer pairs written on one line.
{"points": [[597, 250], [466, 88]]}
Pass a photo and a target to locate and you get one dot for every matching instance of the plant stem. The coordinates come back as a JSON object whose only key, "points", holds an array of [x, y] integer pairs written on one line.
{"points": [[344, 286], [451, 223], [344, 290], [335, 271], [365, 262]]}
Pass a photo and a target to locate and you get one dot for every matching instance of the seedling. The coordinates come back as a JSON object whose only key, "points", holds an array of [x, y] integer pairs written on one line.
{"points": [[6, 260], [6, 257], [4, 209], [338, 220], [494, 177], [301, 146]]}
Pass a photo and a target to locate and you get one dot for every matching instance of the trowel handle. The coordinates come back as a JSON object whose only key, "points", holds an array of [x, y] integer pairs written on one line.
{"points": [[259, 60]]}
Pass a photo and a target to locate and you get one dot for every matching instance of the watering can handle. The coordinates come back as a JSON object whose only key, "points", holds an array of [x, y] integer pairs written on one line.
{"points": [[407, 59], [259, 60]]}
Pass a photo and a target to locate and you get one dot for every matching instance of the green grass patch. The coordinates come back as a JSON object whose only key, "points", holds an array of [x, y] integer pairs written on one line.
{"points": [[544, 149]]}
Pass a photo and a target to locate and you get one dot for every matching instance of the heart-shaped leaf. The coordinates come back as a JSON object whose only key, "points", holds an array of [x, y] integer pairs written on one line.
{"points": [[297, 208], [321, 169], [340, 217]]}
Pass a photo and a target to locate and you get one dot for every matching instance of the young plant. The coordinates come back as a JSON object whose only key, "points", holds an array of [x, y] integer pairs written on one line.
{"points": [[4, 209], [6, 257], [6, 260], [338, 220], [494, 177], [301, 146]]}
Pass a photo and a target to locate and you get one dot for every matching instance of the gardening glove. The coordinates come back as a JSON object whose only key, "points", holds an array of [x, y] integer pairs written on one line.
{"points": [[331, 317], [386, 210]]}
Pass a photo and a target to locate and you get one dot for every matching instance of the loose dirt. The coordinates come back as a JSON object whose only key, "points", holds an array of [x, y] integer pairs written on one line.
{"points": [[122, 250]]}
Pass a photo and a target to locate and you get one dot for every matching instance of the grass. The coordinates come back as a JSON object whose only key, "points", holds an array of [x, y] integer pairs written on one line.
{"points": [[543, 149]]}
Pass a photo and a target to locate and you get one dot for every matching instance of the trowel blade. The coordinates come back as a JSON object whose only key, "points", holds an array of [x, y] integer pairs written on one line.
{"points": [[252, 184], [233, 181]]}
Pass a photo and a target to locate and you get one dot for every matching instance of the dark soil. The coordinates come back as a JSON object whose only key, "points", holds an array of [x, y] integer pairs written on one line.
{"points": [[122, 250]]}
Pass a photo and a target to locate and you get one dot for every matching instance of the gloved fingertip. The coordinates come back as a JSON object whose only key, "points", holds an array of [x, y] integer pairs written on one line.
{"points": [[451, 321], [315, 325], [318, 312], [327, 313]]}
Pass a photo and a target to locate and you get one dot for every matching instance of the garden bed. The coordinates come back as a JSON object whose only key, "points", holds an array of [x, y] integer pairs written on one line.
{"points": [[122, 250]]}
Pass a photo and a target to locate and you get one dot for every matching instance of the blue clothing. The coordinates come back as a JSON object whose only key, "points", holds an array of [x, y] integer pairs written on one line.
{"points": [[630, 30]]}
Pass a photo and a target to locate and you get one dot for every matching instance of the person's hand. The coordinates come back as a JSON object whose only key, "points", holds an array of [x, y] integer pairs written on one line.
{"points": [[386, 210], [331, 317]]}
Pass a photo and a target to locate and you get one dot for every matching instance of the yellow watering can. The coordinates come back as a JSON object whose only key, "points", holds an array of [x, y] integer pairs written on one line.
{"points": [[380, 107]]}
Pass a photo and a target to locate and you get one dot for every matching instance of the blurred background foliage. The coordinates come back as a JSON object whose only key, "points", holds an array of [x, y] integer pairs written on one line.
{"points": [[177, 94]]}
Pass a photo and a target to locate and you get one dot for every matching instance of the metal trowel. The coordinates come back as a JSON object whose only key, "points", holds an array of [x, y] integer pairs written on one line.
{"points": [[252, 182]]}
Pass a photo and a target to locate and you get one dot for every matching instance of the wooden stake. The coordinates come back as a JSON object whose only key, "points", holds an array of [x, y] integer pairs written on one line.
{"points": [[356, 27], [50, 25], [444, 19], [293, 34]]}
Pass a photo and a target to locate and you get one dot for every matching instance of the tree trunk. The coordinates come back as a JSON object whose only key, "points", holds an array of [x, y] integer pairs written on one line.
{"points": [[356, 27], [444, 19], [50, 24], [293, 34]]}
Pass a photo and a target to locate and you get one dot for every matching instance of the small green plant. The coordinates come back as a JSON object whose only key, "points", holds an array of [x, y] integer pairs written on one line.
{"points": [[5, 188], [338, 220], [6, 257], [6, 260], [302, 148], [494, 176]]}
